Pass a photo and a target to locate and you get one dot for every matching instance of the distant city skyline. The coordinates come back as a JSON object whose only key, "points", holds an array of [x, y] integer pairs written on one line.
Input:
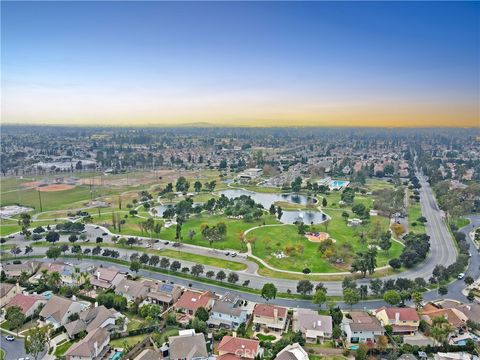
{"points": [[374, 64]]}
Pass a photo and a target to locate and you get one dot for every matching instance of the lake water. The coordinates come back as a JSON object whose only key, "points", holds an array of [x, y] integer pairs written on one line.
{"points": [[288, 217]]}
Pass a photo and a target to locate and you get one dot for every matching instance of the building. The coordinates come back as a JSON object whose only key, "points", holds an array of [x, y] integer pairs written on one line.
{"points": [[454, 316], [58, 309], [232, 347], [29, 304], [292, 352], [249, 175], [15, 270], [148, 354], [270, 316], [106, 278], [228, 312], [362, 328], [314, 327], [188, 345], [404, 321], [163, 294], [191, 301], [131, 290], [8, 292], [92, 347], [93, 318]]}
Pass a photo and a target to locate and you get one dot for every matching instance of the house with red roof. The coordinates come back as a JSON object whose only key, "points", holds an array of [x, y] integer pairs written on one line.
{"points": [[27, 303], [235, 348], [191, 300], [270, 316], [404, 321]]}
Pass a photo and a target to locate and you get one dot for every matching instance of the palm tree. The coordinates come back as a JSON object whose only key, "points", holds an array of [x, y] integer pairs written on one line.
{"points": [[440, 329]]}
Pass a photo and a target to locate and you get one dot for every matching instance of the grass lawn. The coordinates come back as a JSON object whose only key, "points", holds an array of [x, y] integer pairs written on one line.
{"points": [[273, 239], [62, 348], [130, 341], [414, 212], [263, 337], [169, 331], [235, 228], [2, 354], [461, 222], [134, 322]]}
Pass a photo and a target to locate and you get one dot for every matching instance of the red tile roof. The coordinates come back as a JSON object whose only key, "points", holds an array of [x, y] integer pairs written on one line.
{"points": [[25, 302], [267, 310], [193, 300], [241, 348], [406, 314]]}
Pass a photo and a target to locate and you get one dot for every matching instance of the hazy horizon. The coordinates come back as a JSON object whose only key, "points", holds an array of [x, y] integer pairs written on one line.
{"points": [[288, 64]]}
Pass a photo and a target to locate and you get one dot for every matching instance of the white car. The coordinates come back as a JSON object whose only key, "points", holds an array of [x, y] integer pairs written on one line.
{"points": [[461, 276]]}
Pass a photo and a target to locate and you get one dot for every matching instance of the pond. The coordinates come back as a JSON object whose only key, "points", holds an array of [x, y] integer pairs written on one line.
{"points": [[288, 217]]}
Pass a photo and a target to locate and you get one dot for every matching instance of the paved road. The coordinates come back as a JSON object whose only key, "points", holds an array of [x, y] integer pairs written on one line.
{"points": [[15, 349]]}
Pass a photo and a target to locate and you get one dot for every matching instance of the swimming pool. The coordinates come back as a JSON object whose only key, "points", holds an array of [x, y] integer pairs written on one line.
{"points": [[353, 347], [338, 184], [116, 356]]}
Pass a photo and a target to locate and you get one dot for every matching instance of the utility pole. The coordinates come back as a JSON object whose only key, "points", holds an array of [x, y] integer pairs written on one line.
{"points": [[40, 200]]}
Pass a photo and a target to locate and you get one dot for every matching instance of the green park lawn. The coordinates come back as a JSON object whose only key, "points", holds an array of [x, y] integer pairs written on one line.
{"points": [[272, 239], [233, 239], [414, 212]]}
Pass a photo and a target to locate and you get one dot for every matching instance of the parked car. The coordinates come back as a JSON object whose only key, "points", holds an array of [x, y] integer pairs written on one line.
{"points": [[9, 338], [461, 276], [104, 234], [177, 244], [227, 253], [167, 242], [234, 254], [97, 227]]}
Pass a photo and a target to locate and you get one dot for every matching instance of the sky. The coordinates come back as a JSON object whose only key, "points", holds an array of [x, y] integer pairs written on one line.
{"points": [[388, 64]]}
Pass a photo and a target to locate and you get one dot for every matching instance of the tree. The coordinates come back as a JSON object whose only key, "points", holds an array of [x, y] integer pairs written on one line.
{"points": [[53, 252], [269, 291], [392, 297], [35, 340], [296, 184], [191, 234], [376, 286], [385, 241], [221, 275], [24, 222], [395, 263], [164, 262], [182, 184], [417, 298], [320, 297], [304, 287], [197, 270], [201, 314], [440, 329], [73, 238], [197, 186], [279, 212], [362, 352], [209, 274], [52, 236], [135, 266], [15, 317], [351, 296], [382, 343], [232, 278], [469, 280], [443, 290], [272, 209], [154, 260], [175, 265], [324, 202]]}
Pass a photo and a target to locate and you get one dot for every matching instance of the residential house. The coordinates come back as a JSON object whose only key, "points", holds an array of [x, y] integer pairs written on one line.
{"points": [[163, 294], [454, 316], [404, 321], [270, 316], [8, 292], [28, 303], [228, 312], [360, 327], [106, 278], [292, 352], [93, 318], [92, 347], [132, 290], [191, 301], [148, 354], [66, 271], [232, 347], [58, 309], [314, 327], [188, 346], [15, 270]]}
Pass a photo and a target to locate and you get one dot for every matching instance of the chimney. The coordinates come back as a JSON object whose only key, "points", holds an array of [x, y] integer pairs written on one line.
{"points": [[95, 346], [234, 334], [98, 275], [275, 314], [18, 288], [397, 317]]}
